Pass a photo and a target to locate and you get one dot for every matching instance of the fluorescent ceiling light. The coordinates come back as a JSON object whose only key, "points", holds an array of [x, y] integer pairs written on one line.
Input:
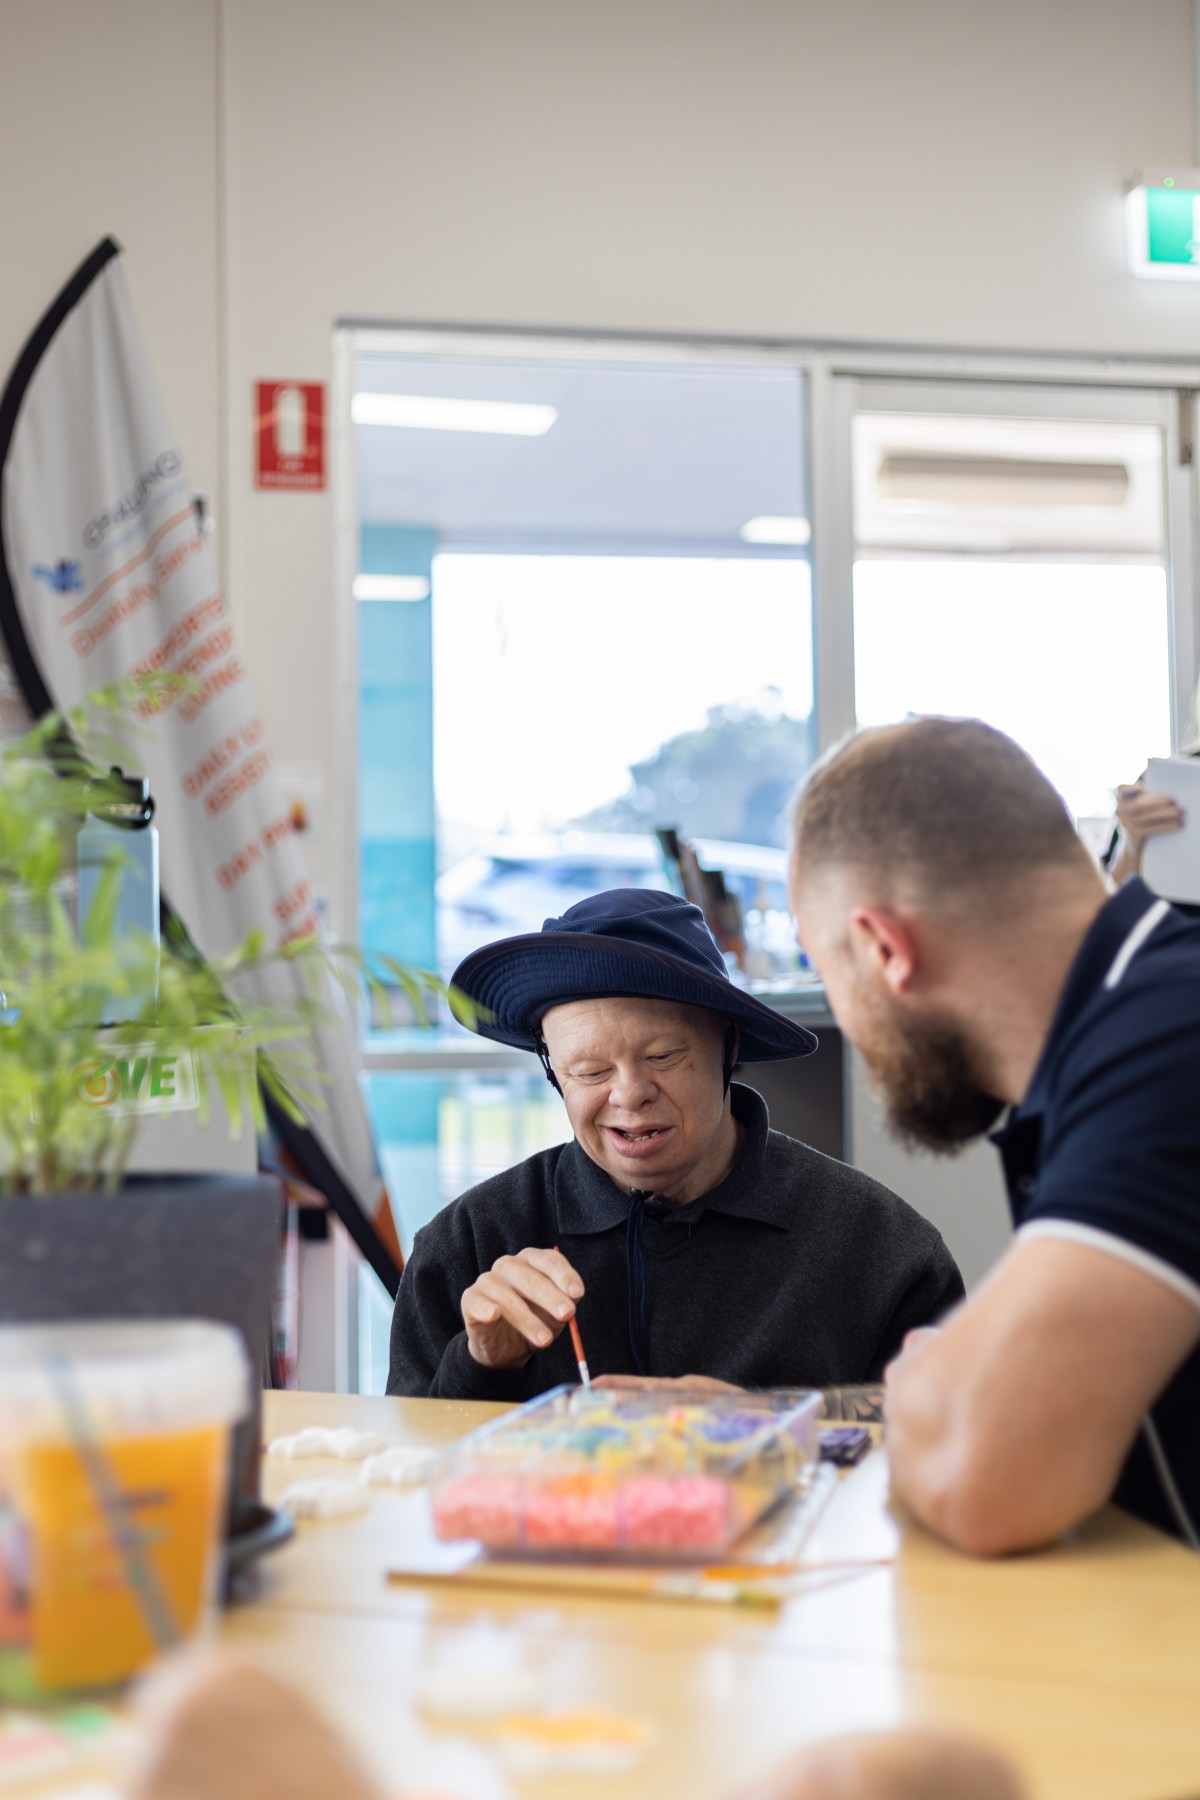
{"points": [[776, 528], [422, 412], [391, 587]]}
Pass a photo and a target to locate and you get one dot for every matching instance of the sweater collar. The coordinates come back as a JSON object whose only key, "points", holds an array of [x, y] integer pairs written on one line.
{"points": [[587, 1200]]}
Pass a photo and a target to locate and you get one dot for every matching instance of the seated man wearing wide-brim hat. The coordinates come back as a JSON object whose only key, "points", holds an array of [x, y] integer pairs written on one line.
{"points": [[691, 1239]]}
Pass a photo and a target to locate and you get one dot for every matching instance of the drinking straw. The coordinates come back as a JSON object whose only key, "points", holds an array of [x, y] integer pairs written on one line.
{"points": [[128, 1540]]}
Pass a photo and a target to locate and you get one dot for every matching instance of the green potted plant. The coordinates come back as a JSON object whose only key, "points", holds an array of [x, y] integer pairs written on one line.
{"points": [[79, 1237]]}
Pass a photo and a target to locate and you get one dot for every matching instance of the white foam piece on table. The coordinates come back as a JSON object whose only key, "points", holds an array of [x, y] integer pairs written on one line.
{"points": [[341, 1441], [402, 1466], [324, 1497], [457, 1687]]}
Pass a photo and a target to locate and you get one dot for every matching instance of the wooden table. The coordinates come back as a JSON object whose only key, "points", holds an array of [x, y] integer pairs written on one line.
{"points": [[1083, 1661]]}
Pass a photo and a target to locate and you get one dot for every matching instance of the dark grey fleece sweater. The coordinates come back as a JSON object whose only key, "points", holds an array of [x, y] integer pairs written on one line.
{"points": [[796, 1271]]}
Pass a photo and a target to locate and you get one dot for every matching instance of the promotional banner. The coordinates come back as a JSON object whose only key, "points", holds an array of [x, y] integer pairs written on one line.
{"points": [[105, 574]]}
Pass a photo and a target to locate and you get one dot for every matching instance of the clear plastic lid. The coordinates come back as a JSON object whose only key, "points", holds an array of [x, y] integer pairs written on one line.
{"points": [[125, 1378]]}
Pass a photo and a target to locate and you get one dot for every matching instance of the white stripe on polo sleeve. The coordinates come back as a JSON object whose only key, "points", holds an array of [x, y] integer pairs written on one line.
{"points": [[1073, 1232]]}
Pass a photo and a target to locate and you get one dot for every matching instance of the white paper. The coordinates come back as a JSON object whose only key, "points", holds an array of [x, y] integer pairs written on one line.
{"points": [[1171, 860]]}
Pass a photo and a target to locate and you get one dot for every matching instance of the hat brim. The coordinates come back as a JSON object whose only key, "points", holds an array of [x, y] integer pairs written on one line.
{"points": [[518, 979]]}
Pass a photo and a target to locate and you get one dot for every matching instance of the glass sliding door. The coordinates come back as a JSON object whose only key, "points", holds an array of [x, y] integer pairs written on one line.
{"points": [[1008, 552], [1011, 562]]}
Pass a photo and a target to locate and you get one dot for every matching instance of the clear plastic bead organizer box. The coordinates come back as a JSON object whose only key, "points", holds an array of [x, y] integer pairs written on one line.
{"points": [[642, 1475]]}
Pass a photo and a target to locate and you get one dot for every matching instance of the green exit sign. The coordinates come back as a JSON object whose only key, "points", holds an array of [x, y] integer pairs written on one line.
{"points": [[1162, 210]]}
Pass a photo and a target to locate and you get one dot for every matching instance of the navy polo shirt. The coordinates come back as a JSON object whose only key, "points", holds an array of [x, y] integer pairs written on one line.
{"points": [[1105, 1147]]}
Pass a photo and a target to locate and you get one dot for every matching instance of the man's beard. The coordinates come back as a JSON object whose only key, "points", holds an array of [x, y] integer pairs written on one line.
{"points": [[923, 1073]]}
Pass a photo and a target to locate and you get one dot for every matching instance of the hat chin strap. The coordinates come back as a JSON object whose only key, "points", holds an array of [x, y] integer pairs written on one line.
{"points": [[544, 1058]]}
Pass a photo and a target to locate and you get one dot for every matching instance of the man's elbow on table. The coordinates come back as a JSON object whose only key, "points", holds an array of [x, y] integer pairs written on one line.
{"points": [[1011, 1425], [977, 1459], [964, 1489]]}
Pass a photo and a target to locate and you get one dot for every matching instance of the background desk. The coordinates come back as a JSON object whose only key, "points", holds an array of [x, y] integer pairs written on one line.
{"points": [[1084, 1662]]}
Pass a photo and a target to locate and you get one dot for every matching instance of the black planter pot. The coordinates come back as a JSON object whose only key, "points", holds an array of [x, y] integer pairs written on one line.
{"points": [[165, 1247]]}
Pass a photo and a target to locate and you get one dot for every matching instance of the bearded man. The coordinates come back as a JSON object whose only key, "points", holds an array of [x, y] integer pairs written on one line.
{"points": [[970, 949], [691, 1239]]}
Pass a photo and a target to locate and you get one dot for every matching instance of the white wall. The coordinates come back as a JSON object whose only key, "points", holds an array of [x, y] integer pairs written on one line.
{"points": [[108, 127]]}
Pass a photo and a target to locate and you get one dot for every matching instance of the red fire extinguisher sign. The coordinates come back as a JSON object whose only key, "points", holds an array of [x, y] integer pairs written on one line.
{"points": [[290, 434]]}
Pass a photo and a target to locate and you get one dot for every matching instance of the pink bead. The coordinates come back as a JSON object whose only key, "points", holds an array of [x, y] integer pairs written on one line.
{"points": [[571, 1516], [681, 1512], [481, 1506]]}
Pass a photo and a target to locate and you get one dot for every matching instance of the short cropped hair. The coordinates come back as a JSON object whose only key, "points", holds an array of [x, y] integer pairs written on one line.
{"points": [[948, 807]]}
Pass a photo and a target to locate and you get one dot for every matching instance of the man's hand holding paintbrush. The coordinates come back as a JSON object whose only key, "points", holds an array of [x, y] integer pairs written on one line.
{"points": [[522, 1304]]}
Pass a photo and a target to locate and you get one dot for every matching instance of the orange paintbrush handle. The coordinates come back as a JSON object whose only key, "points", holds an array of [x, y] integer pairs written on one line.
{"points": [[577, 1341]]}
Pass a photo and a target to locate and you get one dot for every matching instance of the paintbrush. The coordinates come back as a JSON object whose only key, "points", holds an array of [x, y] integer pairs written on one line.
{"points": [[580, 1358]]}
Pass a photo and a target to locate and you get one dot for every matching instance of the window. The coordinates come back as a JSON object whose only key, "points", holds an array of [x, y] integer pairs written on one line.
{"points": [[585, 613]]}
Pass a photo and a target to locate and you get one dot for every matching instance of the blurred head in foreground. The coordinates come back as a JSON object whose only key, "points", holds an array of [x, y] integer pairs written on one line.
{"points": [[893, 1765]]}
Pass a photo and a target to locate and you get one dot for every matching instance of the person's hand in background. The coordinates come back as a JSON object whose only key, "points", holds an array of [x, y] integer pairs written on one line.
{"points": [[1141, 814]]}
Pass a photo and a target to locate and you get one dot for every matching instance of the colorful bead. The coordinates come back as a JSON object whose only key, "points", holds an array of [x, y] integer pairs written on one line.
{"points": [[570, 1515], [483, 1506], [683, 1512]]}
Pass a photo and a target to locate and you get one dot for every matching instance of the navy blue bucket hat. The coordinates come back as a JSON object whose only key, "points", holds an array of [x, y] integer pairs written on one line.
{"points": [[632, 941]]}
